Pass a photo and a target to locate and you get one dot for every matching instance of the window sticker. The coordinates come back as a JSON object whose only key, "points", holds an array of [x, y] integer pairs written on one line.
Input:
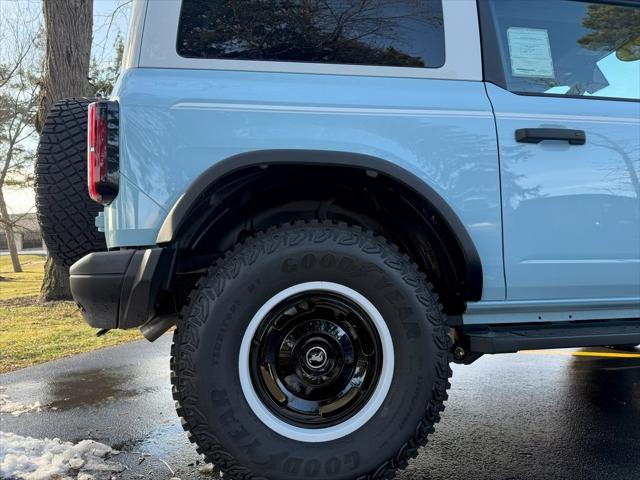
{"points": [[530, 52]]}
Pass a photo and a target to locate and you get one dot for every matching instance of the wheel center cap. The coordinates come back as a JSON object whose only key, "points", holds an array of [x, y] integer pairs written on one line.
{"points": [[316, 358]]}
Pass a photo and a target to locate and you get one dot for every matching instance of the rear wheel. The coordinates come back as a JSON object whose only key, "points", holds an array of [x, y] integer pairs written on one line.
{"points": [[315, 350]]}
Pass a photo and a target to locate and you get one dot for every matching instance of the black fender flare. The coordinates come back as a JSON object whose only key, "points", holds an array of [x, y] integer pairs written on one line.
{"points": [[179, 214]]}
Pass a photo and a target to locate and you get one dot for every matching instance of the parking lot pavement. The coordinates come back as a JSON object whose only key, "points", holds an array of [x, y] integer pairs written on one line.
{"points": [[532, 415]]}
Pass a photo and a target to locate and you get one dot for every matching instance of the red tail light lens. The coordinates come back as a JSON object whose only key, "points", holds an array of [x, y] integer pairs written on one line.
{"points": [[103, 151]]}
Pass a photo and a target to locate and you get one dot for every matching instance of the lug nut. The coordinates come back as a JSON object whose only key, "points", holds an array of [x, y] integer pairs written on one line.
{"points": [[459, 353]]}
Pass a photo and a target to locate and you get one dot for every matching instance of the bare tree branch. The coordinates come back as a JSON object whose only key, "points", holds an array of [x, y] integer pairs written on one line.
{"points": [[20, 69]]}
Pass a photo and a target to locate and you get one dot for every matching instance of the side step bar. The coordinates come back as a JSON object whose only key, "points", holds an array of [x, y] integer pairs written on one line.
{"points": [[511, 338]]}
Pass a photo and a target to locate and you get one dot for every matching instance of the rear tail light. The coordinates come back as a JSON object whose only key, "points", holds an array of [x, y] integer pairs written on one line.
{"points": [[103, 155]]}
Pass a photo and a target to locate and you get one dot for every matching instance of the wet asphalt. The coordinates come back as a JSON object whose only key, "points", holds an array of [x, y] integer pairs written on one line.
{"points": [[545, 415]]}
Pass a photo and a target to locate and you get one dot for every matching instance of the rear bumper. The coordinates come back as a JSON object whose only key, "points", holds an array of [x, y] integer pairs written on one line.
{"points": [[118, 289]]}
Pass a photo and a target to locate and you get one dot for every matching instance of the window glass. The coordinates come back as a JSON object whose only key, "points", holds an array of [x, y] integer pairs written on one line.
{"points": [[566, 47], [404, 33]]}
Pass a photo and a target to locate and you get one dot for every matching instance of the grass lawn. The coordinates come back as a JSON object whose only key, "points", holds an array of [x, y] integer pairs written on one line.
{"points": [[32, 332]]}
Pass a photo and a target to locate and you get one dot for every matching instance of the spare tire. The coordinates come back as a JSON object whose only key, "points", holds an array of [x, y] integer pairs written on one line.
{"points": [[65, 212]]}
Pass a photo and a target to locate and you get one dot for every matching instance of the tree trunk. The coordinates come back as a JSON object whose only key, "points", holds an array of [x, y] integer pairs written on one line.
{"points": [[8, 230], [68, 27], [55, 285]]}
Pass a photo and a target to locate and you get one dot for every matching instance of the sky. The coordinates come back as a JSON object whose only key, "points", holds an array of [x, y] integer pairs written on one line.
{"points": [[106, 26], [104, 29]]}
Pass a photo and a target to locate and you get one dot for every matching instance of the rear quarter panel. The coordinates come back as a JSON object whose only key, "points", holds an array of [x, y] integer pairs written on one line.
{"points": [[177, 123]]}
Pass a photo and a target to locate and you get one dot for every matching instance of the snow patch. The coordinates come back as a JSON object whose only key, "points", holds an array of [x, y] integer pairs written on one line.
{"points": [[16, 408], [27, 458], [207, 468]]}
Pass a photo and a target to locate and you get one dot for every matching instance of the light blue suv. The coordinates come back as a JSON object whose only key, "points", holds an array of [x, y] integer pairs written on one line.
{"points": [[333, 200]]}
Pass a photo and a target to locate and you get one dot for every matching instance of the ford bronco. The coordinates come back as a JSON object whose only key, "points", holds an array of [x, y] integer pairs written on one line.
{"points": [[333, 200]]}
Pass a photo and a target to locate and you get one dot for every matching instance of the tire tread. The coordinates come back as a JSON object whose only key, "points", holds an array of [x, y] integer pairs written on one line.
{"points": [[249, 250], [65, 212]]}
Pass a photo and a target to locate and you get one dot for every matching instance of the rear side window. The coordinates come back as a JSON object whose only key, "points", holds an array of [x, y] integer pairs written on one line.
{"points": [[568, 47], [401, 33]]}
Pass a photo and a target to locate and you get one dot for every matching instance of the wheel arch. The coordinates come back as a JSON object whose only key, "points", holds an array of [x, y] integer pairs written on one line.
{"points": [[191, 206]]}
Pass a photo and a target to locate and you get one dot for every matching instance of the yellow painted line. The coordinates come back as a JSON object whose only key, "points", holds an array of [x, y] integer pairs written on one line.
{"points": [[606, 354], [582, 354]]}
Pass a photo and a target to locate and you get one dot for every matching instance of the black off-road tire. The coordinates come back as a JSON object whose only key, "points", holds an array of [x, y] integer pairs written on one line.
{"points": [[65, 212], [206, 347]]}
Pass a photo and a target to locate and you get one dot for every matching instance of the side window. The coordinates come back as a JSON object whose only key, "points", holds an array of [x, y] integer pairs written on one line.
{"points": [[568, 47], [403, 33]]}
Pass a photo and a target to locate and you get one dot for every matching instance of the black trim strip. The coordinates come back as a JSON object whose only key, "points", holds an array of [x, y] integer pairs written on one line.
{"points": [[580, 97], [515, 337]]}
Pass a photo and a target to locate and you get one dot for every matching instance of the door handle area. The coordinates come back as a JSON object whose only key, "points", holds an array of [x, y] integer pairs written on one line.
{"points": [[537, 135]]}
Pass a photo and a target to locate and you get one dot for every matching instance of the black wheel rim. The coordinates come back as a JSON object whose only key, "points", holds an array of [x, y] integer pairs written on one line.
{"points": [[315, 359]]}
